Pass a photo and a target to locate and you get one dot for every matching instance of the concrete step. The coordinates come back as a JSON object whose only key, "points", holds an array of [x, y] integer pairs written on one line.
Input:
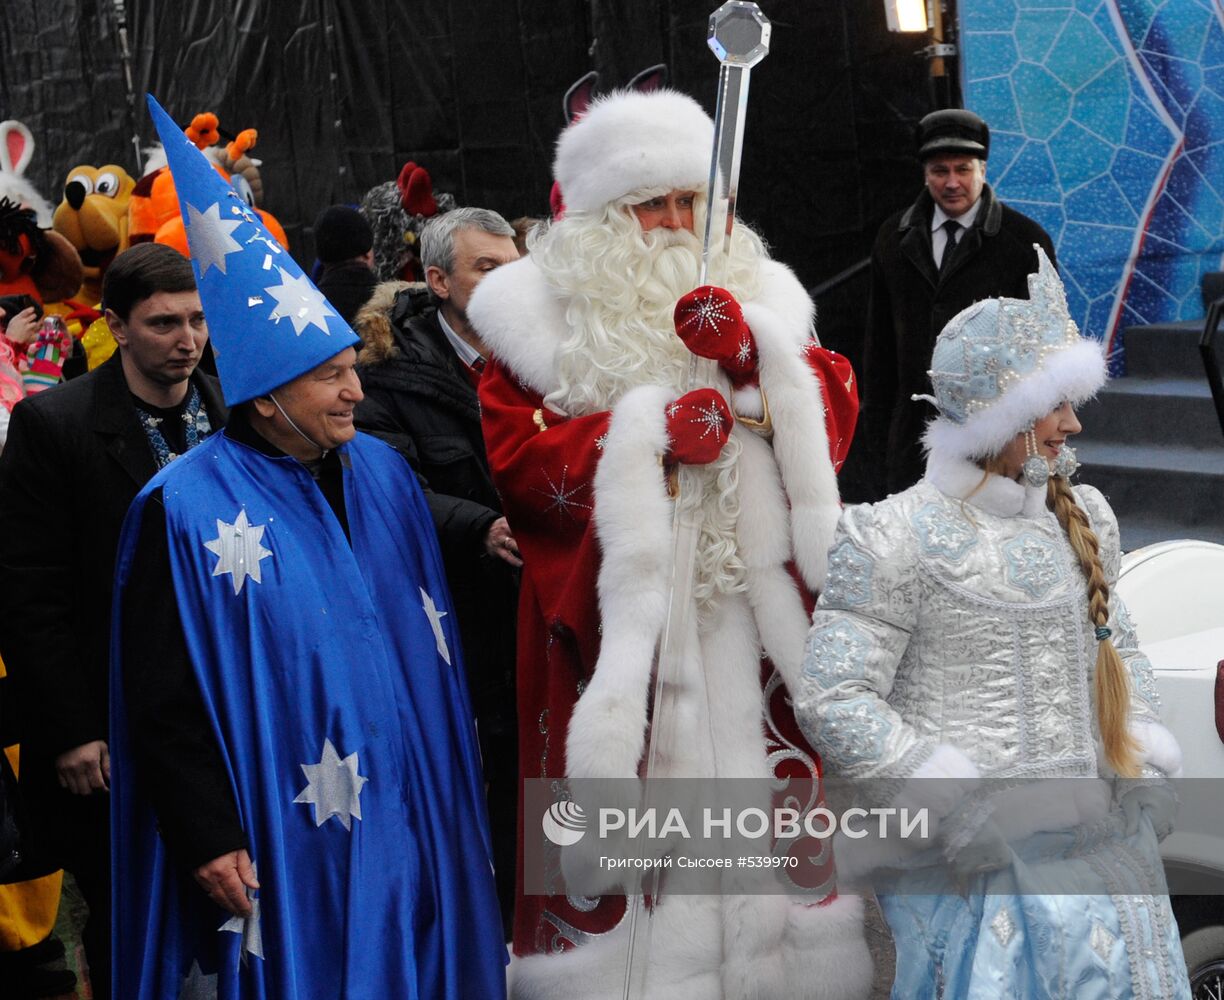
{"points": [[1155, 412], [1158, 493], [1168, 350]]}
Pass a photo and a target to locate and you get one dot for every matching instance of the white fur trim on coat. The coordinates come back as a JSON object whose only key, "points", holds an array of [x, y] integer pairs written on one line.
{"points": [[940, 782], [800, 441], [633, 522], [785, 949], [962, 479], [628, 141], [521, 320], [1157, 747], [1074, 374]]}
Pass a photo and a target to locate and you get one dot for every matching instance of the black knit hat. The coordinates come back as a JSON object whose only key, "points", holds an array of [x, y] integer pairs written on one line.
{"points": [[953, 131], [341, 233]]}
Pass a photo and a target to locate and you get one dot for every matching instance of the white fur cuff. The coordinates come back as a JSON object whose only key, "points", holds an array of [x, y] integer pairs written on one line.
{"points": [[1157, 747]]}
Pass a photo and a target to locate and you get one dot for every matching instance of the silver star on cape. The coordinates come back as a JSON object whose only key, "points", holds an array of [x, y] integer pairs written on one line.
{"points": [[435, 622], [300, 302], [209, 237], [238, 546], [248, 927], [333, 787], [197, 986]]}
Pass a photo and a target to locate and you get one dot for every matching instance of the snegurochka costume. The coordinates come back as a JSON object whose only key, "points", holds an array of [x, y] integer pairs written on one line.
{"points": [[317, 624], [954, 641]]}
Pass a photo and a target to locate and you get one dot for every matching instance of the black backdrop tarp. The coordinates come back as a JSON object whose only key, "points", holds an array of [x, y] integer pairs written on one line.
{"points": [[344, 91]]}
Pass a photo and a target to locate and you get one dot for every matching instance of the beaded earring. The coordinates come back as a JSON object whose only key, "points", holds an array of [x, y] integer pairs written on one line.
{"points": [[1067, 462], [1036, 470]]}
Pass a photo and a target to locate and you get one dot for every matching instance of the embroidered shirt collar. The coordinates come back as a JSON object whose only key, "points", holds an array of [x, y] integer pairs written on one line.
{"points": [[958, 478], [467, 353]]}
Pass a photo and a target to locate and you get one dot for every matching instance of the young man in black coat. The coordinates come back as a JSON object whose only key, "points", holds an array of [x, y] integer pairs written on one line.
{"points": [[955, 245], [344, 243], [76, 456], [419, 373]]}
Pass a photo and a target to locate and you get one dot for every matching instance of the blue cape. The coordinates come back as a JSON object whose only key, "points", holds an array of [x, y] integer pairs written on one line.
{"points": [[333, 683]]}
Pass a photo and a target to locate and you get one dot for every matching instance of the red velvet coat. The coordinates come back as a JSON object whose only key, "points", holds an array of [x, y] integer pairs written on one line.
{"points": [[547, 468]]}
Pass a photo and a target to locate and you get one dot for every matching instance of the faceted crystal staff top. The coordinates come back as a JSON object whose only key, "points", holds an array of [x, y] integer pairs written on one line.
{"points": [[739, 33]]}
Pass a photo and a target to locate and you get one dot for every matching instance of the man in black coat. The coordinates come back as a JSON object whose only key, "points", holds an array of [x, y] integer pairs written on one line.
{"points": [[344, 243], [419, 373], [76, 456], [955, 245]]}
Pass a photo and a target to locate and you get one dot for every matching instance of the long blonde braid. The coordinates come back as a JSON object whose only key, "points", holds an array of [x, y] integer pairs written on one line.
{"points": [[1112, 683]]}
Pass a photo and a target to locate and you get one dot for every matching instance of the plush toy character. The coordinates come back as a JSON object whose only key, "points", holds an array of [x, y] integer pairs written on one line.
{"points": [[35, 262], [154, 210], [16, 151], [93, 217], [397, 212]]}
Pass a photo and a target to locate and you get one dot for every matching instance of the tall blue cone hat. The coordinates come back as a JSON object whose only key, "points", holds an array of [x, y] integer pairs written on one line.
{"points": [[267, 321]]}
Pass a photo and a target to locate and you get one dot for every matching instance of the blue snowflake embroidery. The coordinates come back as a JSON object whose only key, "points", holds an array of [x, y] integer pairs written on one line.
{"points": [[850, 572], [1032, 565], [837, 651], [943, 534], [852, 732]]}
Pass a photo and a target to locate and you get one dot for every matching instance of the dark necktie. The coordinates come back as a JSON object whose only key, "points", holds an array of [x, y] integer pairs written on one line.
{"points": [[475, 370], [952, 228]]}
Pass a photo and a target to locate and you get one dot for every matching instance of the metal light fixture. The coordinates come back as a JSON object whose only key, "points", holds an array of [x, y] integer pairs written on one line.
{"points": [[906, 15]]}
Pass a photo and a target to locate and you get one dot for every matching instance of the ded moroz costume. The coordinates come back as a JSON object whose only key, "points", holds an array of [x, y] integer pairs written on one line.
{"points": [[584, 414], [315, 625], [963, 635]]}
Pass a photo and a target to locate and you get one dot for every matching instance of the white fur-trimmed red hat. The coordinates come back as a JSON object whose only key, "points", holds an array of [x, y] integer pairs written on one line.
{"points": [[628, 141]]}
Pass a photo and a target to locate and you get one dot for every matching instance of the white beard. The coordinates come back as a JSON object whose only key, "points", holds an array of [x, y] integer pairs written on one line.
{"points": [[621, 287]]}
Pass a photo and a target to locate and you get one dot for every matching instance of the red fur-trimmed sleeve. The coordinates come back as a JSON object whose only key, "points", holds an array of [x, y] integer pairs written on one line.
{"points": [[839, 386], [544, 466]]}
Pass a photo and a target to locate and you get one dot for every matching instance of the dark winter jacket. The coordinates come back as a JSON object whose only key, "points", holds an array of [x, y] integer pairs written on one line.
{"points": [[420, 399], [348, 287], [909, 306], [76, 457]]}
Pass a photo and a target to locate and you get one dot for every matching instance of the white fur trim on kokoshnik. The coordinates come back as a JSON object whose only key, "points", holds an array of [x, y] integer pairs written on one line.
{"points": [[1002, 364], [629, 141]]}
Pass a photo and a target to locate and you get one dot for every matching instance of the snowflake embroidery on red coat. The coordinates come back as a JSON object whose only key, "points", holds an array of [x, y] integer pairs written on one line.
{"points": [[562, 499]]}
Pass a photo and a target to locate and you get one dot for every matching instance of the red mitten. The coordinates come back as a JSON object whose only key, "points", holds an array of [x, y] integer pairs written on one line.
{"points": [[711, 324], [698, 424], [839, 388]]}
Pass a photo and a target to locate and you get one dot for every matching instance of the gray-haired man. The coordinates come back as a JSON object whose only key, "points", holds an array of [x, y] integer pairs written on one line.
{"points": [[419, 373]]}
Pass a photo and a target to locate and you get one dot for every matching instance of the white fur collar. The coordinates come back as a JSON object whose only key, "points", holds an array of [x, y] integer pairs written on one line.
{"points": [[522, 319], [958, 478]]}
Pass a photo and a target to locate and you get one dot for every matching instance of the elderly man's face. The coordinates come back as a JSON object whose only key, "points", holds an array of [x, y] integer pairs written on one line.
{"points": [[673, 210], [955, 182], [476, 254], [321, 402]]}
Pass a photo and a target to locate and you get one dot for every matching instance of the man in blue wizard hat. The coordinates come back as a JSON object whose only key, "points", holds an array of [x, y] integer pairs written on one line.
{"points": [[318, 830]]}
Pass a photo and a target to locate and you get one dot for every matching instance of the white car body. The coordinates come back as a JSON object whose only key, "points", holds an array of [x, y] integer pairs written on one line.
{"points": [[1175, 593]]}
